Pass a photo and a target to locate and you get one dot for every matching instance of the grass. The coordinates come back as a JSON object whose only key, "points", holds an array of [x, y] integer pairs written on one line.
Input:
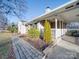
{"points": [[5, 43]]}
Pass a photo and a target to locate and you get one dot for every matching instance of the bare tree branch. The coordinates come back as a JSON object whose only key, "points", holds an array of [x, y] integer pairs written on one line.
{"points": [[10, 7]]}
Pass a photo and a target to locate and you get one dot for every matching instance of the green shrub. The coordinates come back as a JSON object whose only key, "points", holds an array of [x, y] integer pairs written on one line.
{"points": [[74, 33], [13, 28], [34, 33], [47, 32], [71, 32]]}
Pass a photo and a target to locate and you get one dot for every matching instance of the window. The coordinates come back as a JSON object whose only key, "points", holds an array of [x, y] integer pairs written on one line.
{"points": [[77, 3]]}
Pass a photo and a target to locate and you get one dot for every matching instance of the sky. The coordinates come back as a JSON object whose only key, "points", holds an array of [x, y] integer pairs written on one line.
{"points": [[37, 7]]}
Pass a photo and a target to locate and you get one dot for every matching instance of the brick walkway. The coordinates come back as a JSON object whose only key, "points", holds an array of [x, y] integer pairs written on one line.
{"points": [[23, 50], [11, 54]]}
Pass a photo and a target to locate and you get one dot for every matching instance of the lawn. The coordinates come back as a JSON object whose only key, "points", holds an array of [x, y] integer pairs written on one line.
{"points": [[5, 44]]}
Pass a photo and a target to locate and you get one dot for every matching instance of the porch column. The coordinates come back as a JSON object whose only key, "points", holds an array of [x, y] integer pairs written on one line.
{"points": [[62, 24], [40, 26], [55, 28], [62, 27]]}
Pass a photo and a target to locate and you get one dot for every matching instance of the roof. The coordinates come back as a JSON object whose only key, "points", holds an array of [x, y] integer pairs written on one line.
{"points": [[71, 5]]}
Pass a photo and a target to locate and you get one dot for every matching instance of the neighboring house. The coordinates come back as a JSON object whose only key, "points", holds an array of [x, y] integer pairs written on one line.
{"points": [[3, 22], [59, 18], [23, 27], [73, 25]]}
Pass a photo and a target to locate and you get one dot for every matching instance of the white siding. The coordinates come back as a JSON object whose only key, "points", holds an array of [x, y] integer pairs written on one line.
{"points": [[40, 27], [21, 28]]}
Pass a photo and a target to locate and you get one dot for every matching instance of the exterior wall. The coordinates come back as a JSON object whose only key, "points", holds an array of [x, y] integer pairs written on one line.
{"points": [[21, 28], [40, 26], [28, 27]]}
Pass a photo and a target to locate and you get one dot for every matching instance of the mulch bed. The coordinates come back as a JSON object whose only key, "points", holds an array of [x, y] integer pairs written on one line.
{"points": [[38, 44]]}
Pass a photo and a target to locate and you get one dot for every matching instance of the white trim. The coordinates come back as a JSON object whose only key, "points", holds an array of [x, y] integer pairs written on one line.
{"points": [[55, 28]]}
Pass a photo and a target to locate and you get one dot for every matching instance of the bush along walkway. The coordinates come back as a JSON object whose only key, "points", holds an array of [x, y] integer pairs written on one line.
{"points": [[23, 50]]}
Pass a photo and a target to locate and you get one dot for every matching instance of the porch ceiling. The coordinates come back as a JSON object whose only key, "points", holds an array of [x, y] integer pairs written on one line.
{"points": [[71, 16]]}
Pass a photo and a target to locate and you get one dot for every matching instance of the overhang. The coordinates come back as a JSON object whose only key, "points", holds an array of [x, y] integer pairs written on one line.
{"points": [[68, 12]]}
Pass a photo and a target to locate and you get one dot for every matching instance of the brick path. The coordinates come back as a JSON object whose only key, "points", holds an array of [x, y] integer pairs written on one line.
{"points": [[11, 53], [23, 50]]}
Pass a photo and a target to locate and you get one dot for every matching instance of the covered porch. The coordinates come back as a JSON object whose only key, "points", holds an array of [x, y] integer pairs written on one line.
{"points": [[58, 27], [59, 18]]}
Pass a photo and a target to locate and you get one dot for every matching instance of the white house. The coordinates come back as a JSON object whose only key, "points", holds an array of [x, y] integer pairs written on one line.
{"points": [[59, 18], [22, 27]]}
